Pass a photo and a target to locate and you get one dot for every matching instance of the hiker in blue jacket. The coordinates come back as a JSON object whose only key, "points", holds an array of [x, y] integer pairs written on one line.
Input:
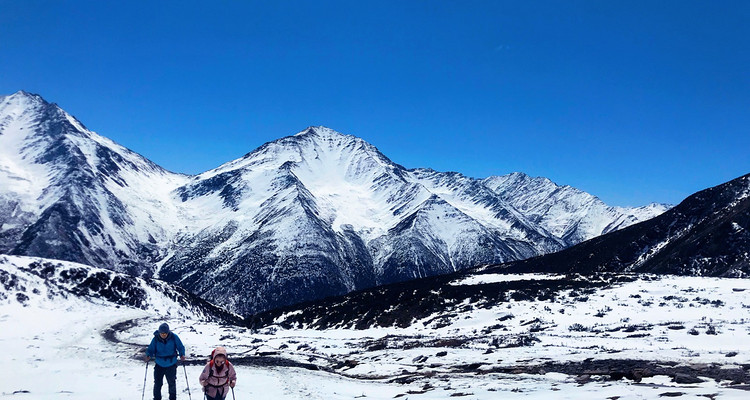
{"points": [[164, 348]]}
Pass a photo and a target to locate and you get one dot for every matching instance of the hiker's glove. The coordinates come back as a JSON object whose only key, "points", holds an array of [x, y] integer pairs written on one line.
{"points": [[232, 383], [204, 383], [182, 358], [148, 358]]}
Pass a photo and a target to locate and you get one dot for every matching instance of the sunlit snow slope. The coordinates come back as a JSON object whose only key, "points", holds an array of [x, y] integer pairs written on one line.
{"points": [[70, 331], [70, 194]]}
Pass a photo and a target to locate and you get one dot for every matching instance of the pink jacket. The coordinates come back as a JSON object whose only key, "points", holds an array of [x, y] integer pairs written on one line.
{"points": [[217, 381]]}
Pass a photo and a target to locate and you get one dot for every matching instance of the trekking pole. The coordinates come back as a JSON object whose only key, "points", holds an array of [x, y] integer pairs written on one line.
{"points": [[186, 380], [233, 394], [143, 395]]}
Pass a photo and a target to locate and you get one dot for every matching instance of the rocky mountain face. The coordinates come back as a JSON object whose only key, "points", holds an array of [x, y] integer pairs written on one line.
{"points": [[705, 235], [568, 213], [28, 280], [321, 213], [301, 218], [69, 194], [436, 302]]}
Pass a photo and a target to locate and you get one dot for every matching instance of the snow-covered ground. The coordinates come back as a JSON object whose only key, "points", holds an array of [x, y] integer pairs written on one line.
{"points": [[62, 346]]}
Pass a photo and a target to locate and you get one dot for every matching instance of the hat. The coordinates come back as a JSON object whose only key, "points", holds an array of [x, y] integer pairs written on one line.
{"points": [[219, 351], [164, 328]]}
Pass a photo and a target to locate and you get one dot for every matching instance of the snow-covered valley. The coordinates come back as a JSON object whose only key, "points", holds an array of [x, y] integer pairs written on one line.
{"points": [[625, 337], [322, 237]]}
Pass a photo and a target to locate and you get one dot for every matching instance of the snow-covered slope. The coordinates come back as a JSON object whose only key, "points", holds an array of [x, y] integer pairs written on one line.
{"points": [[623, 336], [307, 216], [473, 198], [707, 234], [41, 283], [321, 213], [291, 220], [69, 331], [70, 194], [568, 213]]}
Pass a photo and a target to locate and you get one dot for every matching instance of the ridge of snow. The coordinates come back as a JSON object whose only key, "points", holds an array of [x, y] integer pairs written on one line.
{"points": [[565, 211]]}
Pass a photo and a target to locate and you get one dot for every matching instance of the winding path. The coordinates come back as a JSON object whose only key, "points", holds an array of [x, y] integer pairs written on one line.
{"points": [[110, 334], [634, 370]]}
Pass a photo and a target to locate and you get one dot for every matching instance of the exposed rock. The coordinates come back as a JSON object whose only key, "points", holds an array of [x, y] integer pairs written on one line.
{"points": [[686, 379]]}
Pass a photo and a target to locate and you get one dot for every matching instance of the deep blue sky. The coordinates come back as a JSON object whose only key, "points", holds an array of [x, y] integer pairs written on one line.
{"points": [[633, 101]]}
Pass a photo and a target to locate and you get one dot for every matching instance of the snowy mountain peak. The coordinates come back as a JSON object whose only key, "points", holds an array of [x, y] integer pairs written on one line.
{"points": [[24, 103], [567, 212], [317, 150], [329, 139], [323, 131], [24, 113], [22, 98], [18, 104], [70, 194]]}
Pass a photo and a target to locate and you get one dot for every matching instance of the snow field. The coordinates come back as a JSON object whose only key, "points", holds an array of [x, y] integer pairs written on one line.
{"points": [[600, 339], [55, 345]]}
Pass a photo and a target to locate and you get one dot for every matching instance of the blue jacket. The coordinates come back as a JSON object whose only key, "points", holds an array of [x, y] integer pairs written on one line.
{"points": [[165, 351]]}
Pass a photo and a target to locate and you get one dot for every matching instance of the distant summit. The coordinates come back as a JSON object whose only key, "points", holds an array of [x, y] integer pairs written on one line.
{"points": [[69, 194], [568, 213], [707, 234]]}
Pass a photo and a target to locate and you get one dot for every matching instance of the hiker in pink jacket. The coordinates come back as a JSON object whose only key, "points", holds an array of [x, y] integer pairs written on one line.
{"points": [[218, 375]]}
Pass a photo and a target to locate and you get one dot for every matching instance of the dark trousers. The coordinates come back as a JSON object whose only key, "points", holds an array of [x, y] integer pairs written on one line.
{"points": [[219, 395], [171, 374]]}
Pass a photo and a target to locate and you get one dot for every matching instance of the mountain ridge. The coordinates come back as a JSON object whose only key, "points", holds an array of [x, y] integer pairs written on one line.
{"points": [[314, 214], [706, 235]]}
